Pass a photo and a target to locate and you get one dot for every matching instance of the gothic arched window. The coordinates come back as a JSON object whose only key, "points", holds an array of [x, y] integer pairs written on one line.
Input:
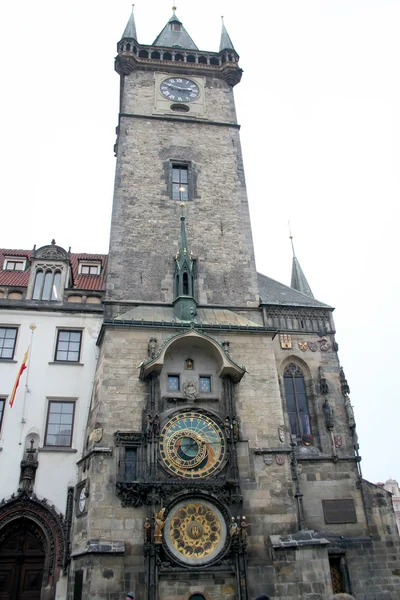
{"points": [[47, 285], [296, 401]]}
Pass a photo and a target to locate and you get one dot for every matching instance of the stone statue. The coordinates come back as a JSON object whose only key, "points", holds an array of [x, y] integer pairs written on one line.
{"points": [[147, 530], [156, 425], [159, 521], [350, 412], [323, 386], [329, 415], [227, 427], [152, 347], [149, 425], [243, 529], [233, 528], [235, 428], [190, 390]]}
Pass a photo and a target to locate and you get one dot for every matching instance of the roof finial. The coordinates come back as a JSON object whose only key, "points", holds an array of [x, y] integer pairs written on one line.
{"points": [[174, 8], [132, 7], [291, 239]]}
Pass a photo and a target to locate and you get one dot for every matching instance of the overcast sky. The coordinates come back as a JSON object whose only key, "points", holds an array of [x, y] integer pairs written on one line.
{"points": [[319, 106]]}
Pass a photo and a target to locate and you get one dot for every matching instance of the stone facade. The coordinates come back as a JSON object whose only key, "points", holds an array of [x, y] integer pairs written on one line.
{"points": [[250, 484]]}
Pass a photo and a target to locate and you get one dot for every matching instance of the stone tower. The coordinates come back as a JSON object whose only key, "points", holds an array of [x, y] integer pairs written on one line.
{"points": [[221, 458]]}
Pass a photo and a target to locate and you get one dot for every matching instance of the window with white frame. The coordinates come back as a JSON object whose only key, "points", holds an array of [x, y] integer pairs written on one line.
{"points": [[89, 268], [68, 345], [8, 338], [2, 406], [60, 423], [14, 264], [47, 284]]}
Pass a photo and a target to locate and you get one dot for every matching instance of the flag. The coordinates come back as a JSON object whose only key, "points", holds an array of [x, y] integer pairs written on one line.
{"points": [[16, 384]]}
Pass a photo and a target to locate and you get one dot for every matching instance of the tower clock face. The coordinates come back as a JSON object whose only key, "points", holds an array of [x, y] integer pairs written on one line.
{"points": [[82, 500], [179, 89], [192, 445]]}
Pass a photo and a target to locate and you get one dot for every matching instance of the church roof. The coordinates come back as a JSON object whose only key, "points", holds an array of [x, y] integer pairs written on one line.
{"points": [[299, 281], [170, 37], [273, 292]]}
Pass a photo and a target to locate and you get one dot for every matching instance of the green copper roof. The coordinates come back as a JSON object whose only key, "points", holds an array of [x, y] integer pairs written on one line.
{"points": [[226, 42], [130, 29], [171, 38]]}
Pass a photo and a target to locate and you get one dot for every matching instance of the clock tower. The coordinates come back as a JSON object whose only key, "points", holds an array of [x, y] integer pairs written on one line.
{"points": [[202, 478]]}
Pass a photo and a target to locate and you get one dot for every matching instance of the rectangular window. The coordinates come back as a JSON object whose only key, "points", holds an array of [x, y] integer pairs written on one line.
{"points": [[14, 265], [173, 383], [8, 338], [68, 347], [87, 269], [205, 384], [60, 422], [130, 464], [180, 182], [2, 405]]}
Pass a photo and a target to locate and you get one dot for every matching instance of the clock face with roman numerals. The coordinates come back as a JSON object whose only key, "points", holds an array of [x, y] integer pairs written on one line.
{"points": [[192, 445], [179, 89]]}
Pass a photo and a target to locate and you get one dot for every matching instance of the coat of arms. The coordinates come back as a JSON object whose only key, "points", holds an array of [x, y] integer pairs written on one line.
{"points": [[313, 346], [286, 341], [324, 345], [338, 441], [280, 459], [303, 346], [268, 459]]}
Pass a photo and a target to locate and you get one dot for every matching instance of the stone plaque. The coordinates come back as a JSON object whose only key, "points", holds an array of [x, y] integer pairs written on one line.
{"points": [[339, 511]]}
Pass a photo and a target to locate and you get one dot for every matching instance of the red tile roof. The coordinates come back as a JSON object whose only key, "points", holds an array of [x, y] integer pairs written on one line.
{"points": [[79, 282]]}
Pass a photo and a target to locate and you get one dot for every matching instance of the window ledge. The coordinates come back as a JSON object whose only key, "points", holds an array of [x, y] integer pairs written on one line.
{"points": [[66, 362], [7, 360], [58, 449]]}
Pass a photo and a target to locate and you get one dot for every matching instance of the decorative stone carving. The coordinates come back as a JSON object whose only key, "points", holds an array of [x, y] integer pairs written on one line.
{"points": [[147, 530], [349, 412], [159, 521], [156, 425], [329, 415], [149, 425], [28, 469], [152, 347], [190, 390], [236, 428], [343, 383], [323, 386], [324, 345], [243, 530], [233, 528], [313, 346], [281, 433]]}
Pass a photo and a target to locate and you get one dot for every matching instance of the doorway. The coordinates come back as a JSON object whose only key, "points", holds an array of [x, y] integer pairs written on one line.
{"points": [[22, 558]]}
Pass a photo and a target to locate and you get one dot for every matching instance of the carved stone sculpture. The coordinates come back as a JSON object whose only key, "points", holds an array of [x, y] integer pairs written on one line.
{"points": [[147, 530], [349, 412], [329, 415], [233, 528], [190, 390], [159, 522], [152, 347], [236, 428], [243, 529]]}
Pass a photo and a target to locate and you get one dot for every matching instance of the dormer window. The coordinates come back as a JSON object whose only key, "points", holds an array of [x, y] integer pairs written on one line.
{"points": [[14, 264], [89, 268], [176, 26], [47, 285]]}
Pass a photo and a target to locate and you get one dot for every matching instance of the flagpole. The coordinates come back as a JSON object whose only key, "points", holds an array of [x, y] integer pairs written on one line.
{"points": [[32, 327]]}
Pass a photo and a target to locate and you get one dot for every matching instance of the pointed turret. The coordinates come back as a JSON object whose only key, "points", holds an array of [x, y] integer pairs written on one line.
{"points": [[184, 303], [299, 281], [226, 42], [174, 35], [130, 29]]}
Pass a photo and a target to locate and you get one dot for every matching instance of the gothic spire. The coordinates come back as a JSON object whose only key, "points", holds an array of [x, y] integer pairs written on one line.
{"points": [[184, 302], [130, 29], [299, 281], [174, 35], [226, 42]]}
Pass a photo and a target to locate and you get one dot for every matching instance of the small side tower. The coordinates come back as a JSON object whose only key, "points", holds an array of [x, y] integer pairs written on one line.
{"points": [[184, 301]]}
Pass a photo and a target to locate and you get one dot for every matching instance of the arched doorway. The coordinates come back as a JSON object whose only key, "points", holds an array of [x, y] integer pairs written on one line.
{"points": [[22, 558]]}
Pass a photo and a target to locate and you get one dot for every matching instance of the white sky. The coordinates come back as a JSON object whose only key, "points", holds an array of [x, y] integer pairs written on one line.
{"points": [[319, 105]]}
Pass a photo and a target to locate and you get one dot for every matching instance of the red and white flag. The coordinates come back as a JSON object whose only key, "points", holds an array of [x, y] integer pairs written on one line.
{"points": [[16, 384]]}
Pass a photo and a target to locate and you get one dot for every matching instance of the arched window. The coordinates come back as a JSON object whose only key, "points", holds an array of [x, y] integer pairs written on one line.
{"points": [[37, 290], [47, 285], [296, 401], [185, 284]]}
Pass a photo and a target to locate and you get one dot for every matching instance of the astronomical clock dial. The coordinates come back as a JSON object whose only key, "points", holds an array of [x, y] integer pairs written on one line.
{"points": [[82, 500], [179, 89], [192, 445], [195, 532]]}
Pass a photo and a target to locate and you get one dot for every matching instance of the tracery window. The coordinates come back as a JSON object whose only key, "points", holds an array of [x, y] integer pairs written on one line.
{"points": [[47, 285], [296, 401]]}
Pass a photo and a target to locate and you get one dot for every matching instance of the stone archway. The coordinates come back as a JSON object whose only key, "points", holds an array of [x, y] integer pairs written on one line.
{"points": [[32, 548]]}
